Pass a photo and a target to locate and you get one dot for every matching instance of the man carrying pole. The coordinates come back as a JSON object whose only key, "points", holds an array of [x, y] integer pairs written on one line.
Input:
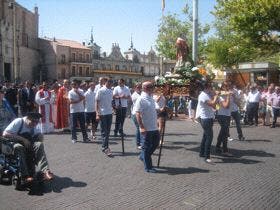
{"points": [[146, 116]]}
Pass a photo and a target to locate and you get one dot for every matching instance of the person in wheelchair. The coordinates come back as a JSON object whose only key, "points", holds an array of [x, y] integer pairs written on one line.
{"points": [[29, 143]]}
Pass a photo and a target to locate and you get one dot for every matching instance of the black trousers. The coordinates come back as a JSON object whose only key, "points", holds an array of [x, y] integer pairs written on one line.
{"points": [[253, 112], [120, 117]]}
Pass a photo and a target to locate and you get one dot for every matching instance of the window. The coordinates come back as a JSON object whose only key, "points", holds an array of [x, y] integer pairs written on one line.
{"points": [[80, 57], [117, 67], [73, 71], [109, 66], [80, 71], [87, 57], [87, 71], [62, 58], [73, 57], [103, 66], [124, 67]]}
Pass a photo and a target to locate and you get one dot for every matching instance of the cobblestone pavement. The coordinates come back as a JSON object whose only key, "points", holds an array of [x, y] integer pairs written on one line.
{"points": [[87, 179]]}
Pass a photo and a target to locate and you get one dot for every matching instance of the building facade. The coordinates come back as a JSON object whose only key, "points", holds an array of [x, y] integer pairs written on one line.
{"points": [[19, 56], [132, 66], [65, 59]]}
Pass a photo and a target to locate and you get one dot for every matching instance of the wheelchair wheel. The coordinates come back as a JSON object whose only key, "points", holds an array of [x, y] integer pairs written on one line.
{"points": [[17, 182]]}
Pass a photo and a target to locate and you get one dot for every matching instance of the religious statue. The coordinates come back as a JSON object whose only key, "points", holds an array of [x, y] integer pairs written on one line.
{"points": [[182, 52]]}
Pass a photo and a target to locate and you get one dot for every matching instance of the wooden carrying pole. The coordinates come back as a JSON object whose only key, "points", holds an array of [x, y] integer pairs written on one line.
{"points": [[161, 141]]}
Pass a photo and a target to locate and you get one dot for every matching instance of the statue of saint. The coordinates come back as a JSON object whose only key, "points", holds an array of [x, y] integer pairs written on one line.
{"points": [[182, 52]]}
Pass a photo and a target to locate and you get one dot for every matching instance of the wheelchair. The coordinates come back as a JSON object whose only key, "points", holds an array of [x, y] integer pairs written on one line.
{"points": [[10, 166]]}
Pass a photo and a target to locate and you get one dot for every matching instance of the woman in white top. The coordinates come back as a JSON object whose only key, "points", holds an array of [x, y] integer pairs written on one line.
{"points": [[206, 115], [223, 117]]}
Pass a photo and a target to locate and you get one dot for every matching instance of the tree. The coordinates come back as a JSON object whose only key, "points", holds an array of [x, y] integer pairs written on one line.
{"points": [[171, 27], [255, 20]]}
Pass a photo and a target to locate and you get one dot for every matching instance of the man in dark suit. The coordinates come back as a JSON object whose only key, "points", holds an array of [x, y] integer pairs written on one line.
{"points": [[26, 99]]}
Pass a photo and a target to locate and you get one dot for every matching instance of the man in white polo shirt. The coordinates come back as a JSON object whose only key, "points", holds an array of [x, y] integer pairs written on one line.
{"points": [[146, 116], [254, 98], [90, 108], [103, 106], [76, 98], [121, 95]]}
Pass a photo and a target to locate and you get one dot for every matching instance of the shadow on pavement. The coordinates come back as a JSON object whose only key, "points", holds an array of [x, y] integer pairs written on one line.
{"points": [[257, 140], [120, 154], [236, 160], [57, 185], [239, 153], [180, 134], [177, 171]]}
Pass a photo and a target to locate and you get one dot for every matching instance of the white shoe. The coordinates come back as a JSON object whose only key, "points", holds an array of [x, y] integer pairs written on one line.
{"points": [[230, 139], [208, 160], [74, 141]]}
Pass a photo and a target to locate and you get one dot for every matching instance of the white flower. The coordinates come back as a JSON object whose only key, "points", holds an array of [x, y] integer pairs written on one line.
{"points": [[194, 68]]}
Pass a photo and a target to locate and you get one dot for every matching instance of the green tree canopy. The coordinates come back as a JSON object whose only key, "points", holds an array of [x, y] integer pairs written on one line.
{"points": [[256, 20]]}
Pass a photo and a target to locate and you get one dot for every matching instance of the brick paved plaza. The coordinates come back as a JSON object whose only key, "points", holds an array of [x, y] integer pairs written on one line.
{"points": [[87, 179]]}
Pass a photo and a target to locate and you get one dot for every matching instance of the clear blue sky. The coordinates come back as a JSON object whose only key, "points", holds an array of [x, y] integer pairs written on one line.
{"points": [[113, 21]]}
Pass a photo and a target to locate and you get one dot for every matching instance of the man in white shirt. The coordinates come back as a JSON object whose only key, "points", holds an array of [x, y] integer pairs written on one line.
{"points": [[76, 98], [28, 140], [121, 95], [103, 107], [90, 108], [254, 98], [146, 116]]}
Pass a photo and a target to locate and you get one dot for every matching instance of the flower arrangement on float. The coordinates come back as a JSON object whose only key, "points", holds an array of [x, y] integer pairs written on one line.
{"points": [[184, 79]]}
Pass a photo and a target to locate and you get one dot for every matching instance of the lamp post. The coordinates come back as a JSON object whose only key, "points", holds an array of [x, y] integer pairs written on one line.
{"points": [[195, 35]]}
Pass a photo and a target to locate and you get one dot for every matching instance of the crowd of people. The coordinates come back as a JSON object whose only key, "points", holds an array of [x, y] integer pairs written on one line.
{"points": [[74, 105]]}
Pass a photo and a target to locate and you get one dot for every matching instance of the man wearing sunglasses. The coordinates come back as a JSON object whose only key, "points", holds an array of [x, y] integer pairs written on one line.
{"points": [[28, 139]]}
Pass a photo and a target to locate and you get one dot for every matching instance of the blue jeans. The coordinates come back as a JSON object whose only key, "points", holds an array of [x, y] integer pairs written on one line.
{"points": [[105, 124], [120, 117], [150, 144], [205, 146], [138, 136], [74, 118], [253, 112], [224, 122], [236, 116], [276, 113]]}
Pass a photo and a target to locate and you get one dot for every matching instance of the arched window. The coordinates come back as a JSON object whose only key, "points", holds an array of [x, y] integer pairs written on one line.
{"points": [[117, 67]]}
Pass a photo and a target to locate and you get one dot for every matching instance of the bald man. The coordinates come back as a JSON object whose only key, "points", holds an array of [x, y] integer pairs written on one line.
{"points": [[146, 116]]}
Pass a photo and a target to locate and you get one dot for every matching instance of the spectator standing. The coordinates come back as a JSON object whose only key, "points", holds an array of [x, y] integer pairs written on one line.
{"points": [[90, 111], [121, 95], [136, 94], [253, 98], [77, 114], [275, 103], [26, 99], [11, 94], [103, 100]]}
